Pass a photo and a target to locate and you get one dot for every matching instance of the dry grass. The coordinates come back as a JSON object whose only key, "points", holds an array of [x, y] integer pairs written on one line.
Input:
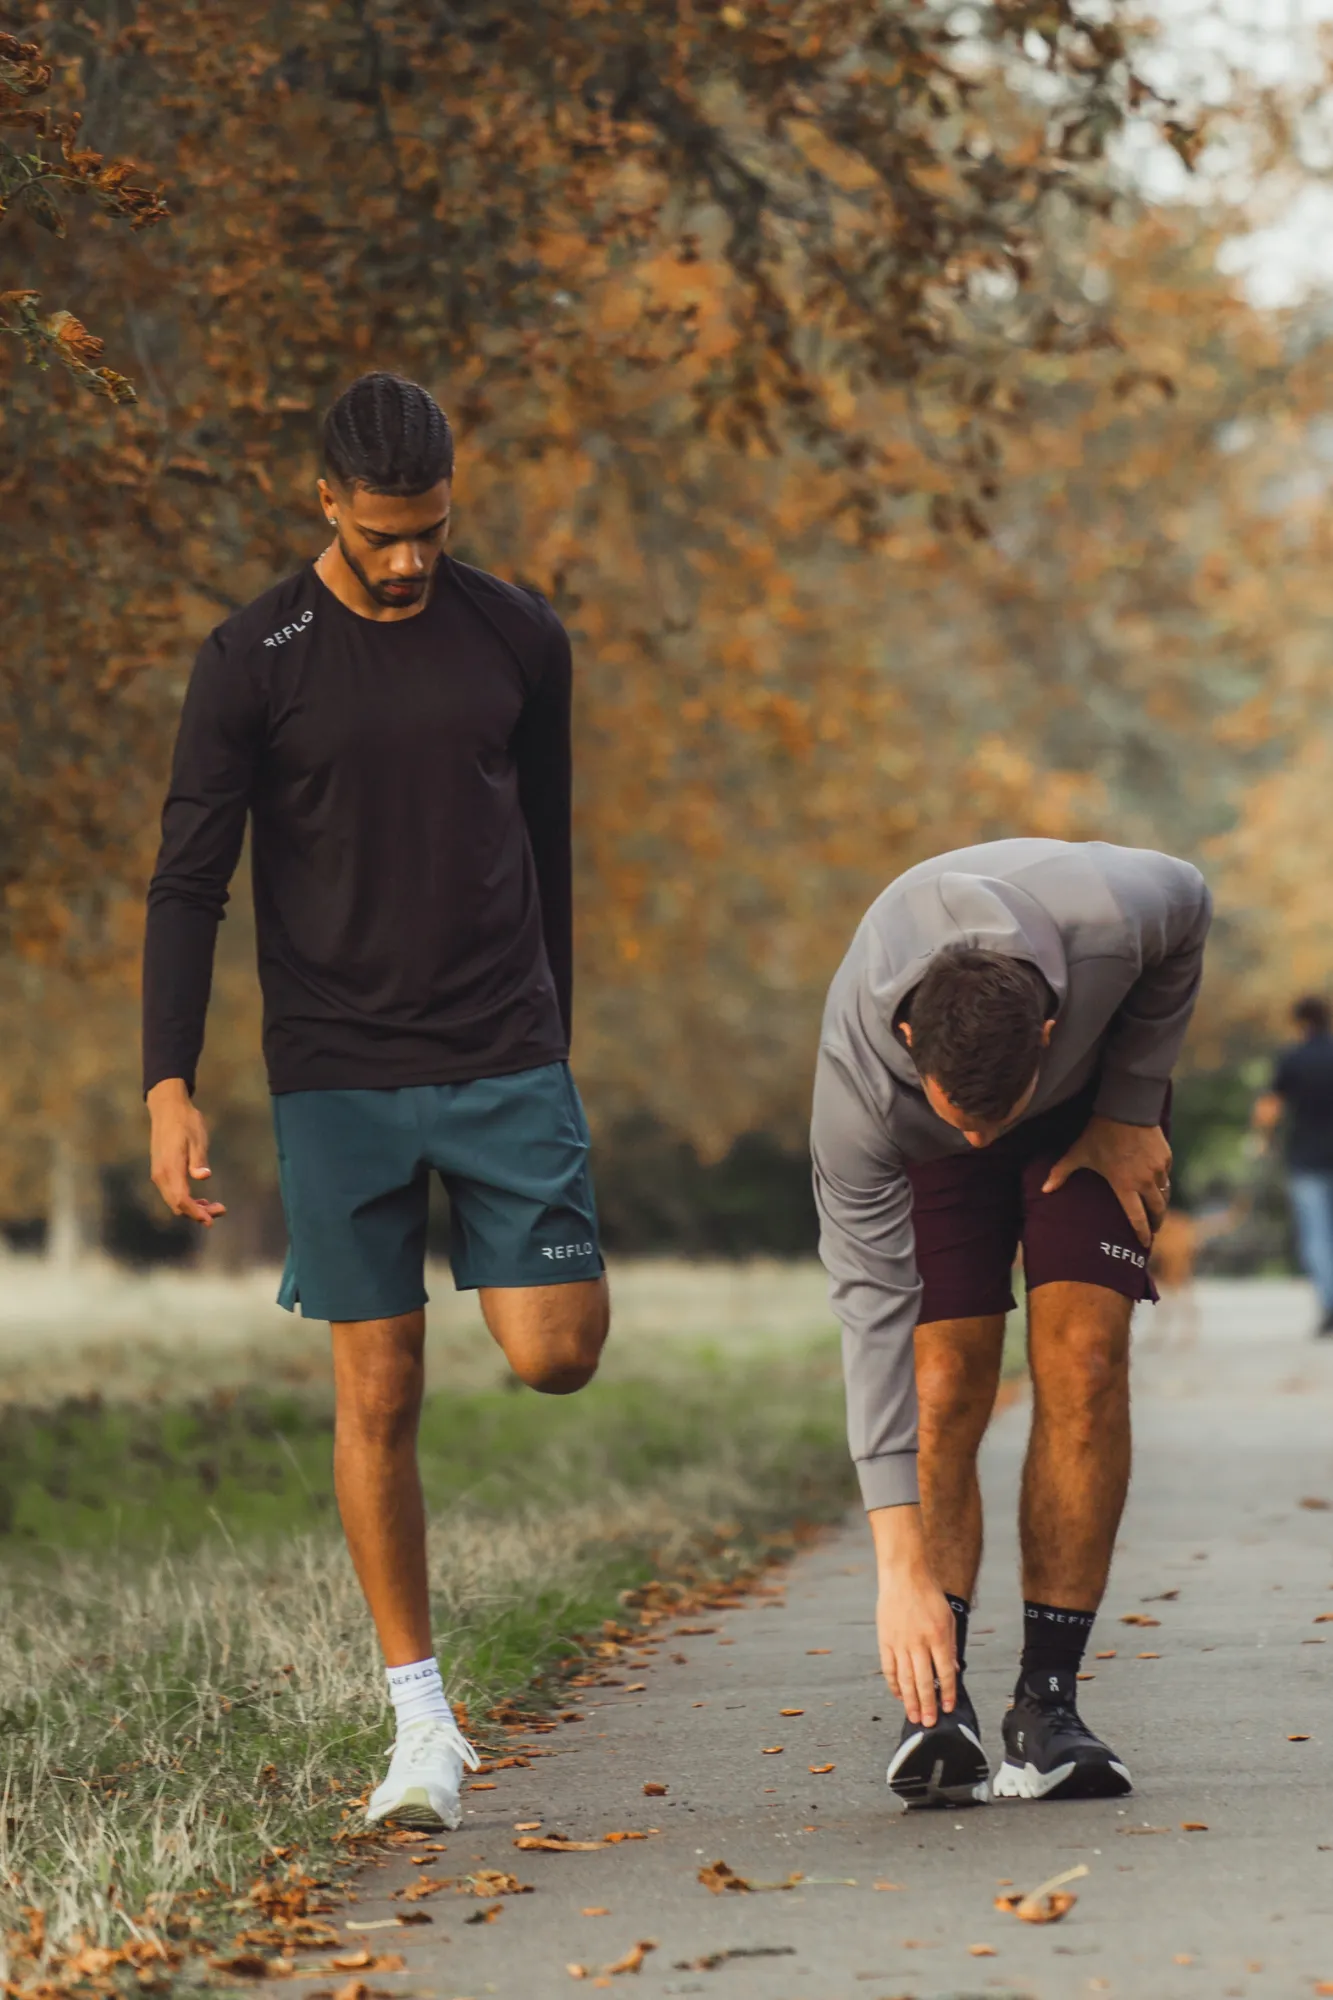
{"points": [[103, 1330], [164, 1721]]}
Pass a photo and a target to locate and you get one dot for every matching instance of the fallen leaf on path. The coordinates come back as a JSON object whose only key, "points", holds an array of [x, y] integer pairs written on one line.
{"points": [[981, 1950], [485, 1916], [375, 1924], [555, 1843], [773, 1750], [815, 1652], [595, 1910], [1147, 1656], [1108, 1655], [1298, 1739], [791, 1711], [427, 1886], [526, 1825], [634, 1687], [614, 1839], [1194, 1826], [634, 1957], [245, 1965], [364, 1961], [494, 1882], [416, 1917], [887, 1885], [721, 1879], [1324, 1986], [485, 1787], [652, 1790], [1139, 1618], [821, 1770], [1183, 1958], [577, 1971], [1324, 1618], [1087, 1677], [1315, 1504], [1162, 1597], [1048, 1902], [695, 1631]]}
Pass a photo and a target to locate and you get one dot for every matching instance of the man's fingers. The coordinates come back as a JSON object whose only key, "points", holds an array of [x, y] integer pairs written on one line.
{"points": [[1155, 1198], [1060, 1173], [907, 1688], [924, 1674], [1138, 1215], [946, 1671]]}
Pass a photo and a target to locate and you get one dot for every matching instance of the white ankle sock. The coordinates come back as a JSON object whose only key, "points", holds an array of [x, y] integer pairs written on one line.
{"points": [[417, 1693]]}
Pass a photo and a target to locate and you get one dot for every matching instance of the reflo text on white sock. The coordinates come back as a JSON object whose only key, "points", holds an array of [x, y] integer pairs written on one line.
{"points": [[417, 1693]]}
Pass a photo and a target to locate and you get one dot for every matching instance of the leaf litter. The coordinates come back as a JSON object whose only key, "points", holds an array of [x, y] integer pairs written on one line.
{"points": [[1048, 1902]]}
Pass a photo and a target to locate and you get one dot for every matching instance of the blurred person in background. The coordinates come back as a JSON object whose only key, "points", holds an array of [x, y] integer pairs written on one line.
{"points": [[994, 1071], [1300, 1101], [395, 727]]}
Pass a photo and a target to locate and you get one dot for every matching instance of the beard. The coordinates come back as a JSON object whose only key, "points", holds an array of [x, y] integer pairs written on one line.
{"points": [[393, 592]]}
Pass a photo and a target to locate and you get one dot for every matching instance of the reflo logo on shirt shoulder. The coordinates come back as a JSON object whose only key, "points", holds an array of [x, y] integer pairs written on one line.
{"points": [[286, 632]]}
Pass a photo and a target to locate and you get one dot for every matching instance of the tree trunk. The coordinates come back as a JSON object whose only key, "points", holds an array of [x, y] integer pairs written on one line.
{"points": [[67, 1235]]}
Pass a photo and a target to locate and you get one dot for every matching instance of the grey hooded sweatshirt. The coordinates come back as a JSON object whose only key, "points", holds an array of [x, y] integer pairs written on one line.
{"points": [[1118, 933]]}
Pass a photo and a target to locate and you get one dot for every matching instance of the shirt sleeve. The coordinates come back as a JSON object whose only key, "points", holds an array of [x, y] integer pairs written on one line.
{"points": [[1173, 909], [543, 759], [203, 826], [867, 1246]]}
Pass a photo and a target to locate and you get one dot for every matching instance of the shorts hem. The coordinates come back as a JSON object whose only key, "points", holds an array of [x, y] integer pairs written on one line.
{"points": [[474, 1284], [1147, 1293], [310, 1310], [998, 1307]]}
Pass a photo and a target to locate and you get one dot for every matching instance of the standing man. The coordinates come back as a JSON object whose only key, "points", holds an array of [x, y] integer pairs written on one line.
{"points": [[396, 728], [1302, 1088], [994, 1070]]}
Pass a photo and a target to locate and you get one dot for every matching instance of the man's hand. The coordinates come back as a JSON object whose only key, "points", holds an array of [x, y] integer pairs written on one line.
{"points": [[1135, 1159], [917, 1637], [180, 1151]]}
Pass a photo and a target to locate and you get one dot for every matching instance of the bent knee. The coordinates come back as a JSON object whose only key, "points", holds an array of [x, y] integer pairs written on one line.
{"points": [[561, 1365]]}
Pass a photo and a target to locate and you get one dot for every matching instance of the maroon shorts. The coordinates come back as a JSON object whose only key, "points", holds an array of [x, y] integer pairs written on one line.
{"points": [[972, 1210]]}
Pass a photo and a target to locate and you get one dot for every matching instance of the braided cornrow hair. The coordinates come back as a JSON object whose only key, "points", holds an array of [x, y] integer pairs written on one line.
{"points": [[388, 435]]}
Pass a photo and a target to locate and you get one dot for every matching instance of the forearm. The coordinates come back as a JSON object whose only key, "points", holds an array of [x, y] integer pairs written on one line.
{"points": [[179, 944]]}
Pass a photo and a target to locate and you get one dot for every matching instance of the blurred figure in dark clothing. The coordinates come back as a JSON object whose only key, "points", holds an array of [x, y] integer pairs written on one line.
{"points": [[1300, 1097]]}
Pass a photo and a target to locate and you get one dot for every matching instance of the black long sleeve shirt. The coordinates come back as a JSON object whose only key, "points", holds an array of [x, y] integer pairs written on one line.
{"points": [[408, 787]]}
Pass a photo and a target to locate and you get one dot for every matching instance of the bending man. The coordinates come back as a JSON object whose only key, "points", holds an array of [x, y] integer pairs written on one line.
{"points": [[396, 728], [994, 1071]]}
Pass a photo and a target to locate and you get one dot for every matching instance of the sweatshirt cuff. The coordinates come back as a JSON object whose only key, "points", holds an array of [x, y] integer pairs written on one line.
{"points": [[890, 1481], [1132, 1100]]}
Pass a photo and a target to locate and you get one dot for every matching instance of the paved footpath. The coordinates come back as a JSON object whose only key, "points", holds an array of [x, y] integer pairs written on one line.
{"points": [[1221, 1544]]}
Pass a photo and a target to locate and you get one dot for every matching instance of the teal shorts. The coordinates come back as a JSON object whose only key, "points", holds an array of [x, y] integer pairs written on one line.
{"points": [[355, 1167]]}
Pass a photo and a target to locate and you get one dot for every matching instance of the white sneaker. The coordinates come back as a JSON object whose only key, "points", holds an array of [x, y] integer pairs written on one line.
{"points": [[425, 1776]]}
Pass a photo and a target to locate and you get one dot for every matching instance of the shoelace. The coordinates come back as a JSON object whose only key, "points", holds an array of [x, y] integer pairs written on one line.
{"points": [[453, 1737]]}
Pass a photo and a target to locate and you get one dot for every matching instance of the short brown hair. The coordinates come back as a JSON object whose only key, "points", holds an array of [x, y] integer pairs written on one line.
{"points": [[976, 1019]]}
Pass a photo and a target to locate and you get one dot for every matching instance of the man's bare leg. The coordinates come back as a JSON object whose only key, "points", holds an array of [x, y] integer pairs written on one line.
{"points": [[378, 1376], [1077, 1470], [957, 1376], [552, 1336]]}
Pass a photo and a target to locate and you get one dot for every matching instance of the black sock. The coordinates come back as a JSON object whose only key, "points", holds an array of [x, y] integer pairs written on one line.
{"points": [[959, 1607], [1053, 1641]]}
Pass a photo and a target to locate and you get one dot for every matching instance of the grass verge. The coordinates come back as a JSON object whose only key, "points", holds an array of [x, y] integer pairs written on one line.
{"points": [[187, 1675]]}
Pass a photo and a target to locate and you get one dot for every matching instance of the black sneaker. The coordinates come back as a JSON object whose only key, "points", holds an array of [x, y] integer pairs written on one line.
{"points": [[1049, 1751], [943, 1766]]}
